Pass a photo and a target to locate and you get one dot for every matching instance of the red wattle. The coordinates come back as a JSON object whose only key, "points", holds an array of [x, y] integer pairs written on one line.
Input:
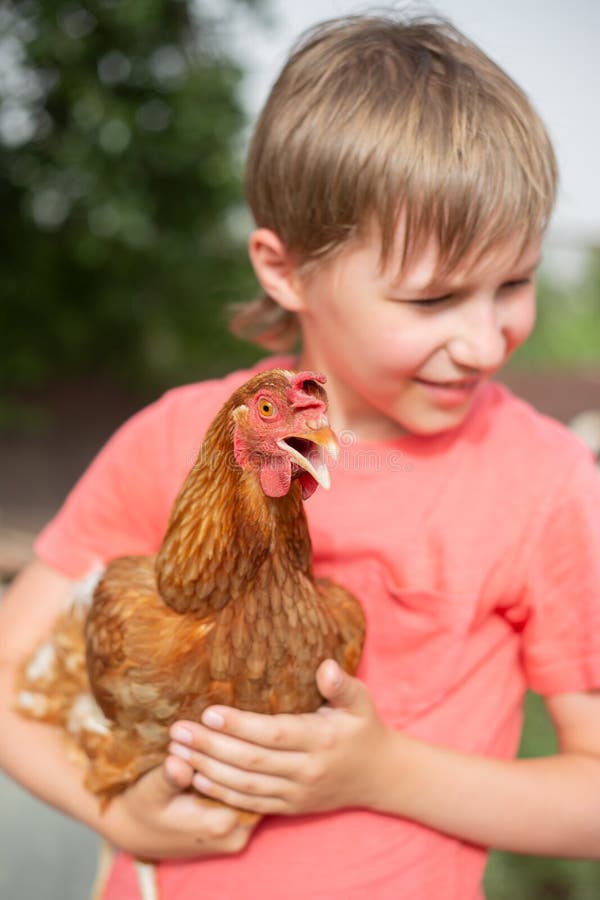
{"points": [[276, 476], [308, 484]]}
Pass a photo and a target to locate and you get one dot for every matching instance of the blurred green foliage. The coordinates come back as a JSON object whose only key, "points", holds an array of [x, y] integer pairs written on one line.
{"points": [[567, 331], [513, 877], [119, 189]]}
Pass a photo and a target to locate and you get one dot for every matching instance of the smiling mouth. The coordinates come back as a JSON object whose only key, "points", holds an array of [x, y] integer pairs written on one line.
{"points": [[462, 383]]}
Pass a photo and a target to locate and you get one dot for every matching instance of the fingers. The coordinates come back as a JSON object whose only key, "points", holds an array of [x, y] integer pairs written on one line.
{"points": [[178, 772], [193, 814], [263, 805], [230, 784], [162, 782], [280, 732], [237, 772], [330, 678], [155, 819], [205, 821], [242, 790], [206, 745], [341, 690], [236, 839]]}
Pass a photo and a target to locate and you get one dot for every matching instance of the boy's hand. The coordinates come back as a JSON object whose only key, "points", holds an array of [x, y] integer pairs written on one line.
{"points": [[289, 763], [153, 819]]}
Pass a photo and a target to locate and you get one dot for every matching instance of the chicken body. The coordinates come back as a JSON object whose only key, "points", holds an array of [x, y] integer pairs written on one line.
{"points": [[228, 612]]}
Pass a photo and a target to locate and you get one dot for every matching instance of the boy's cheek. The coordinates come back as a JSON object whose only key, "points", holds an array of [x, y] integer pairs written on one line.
{"points": [[521, 323]]}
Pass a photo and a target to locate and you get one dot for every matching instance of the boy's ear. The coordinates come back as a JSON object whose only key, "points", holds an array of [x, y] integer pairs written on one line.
{"points": [[276, 269]]}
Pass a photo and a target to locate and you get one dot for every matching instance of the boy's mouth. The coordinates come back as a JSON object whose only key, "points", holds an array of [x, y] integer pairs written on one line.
{"points": [[459, 383], [450, 393]]}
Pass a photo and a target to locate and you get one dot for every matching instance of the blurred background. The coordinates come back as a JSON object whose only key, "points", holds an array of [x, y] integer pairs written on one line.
{"points": [[123, 129]]}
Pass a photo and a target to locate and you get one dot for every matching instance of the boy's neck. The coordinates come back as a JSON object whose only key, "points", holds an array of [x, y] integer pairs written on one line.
{"points": [[348, 414]]}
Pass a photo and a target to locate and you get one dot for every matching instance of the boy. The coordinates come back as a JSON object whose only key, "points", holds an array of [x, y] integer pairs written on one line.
{"points": [[401, 185]]}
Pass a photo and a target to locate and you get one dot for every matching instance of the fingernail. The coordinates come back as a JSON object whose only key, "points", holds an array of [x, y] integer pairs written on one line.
{"points": [[337, 677], [202, 783], [180, 751], [212, 719], [179, 733]]}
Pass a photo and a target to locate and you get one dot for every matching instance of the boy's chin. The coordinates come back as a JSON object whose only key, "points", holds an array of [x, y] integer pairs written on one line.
{"points": [[435, 422]]}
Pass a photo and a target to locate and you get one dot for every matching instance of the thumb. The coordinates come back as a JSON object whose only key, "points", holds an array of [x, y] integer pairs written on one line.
{"points": [[167, 780], [341, 690], [177, 772]]}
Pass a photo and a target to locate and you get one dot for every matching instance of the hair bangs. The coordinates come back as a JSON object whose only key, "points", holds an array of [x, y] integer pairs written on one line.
{"points": [[486, 179], [402, 124]]}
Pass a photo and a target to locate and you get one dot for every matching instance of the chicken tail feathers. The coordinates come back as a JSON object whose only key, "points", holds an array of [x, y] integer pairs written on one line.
{"points": [[53, 676], [52, 684]]}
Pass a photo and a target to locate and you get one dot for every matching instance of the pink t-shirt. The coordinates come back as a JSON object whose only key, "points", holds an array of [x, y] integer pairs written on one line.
{"points": [[476, 555]]}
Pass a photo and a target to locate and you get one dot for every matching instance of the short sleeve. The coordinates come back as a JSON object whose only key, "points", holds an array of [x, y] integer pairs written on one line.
{"points": [[117, 508], [561, 634], [121, 505]]}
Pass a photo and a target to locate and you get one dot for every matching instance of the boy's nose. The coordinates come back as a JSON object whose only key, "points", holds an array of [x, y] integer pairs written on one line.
{"points": [[479, 341]]}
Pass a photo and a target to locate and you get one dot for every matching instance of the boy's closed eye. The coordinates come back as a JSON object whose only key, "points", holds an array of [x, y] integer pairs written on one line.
{"points": [[423, 301], [427, 302], [431, 301], [517, 283]]}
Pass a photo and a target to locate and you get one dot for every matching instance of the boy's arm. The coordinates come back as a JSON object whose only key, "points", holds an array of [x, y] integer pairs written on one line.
{"points": [[153, 818], [548, 806], [344, 756]]}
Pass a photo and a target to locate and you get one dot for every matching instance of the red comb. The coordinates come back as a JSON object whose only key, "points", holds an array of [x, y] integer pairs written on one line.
{"points": [[300, 397], [299, 378]]}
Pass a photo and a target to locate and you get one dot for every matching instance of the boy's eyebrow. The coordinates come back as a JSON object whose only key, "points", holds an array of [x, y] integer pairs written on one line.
{"points": [[445, 287]]}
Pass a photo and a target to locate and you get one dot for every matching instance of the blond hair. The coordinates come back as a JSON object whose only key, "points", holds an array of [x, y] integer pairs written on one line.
{"points": [[378, 116]]}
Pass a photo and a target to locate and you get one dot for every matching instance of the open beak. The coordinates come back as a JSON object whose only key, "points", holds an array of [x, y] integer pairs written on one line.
{"points": [[310, 449]]}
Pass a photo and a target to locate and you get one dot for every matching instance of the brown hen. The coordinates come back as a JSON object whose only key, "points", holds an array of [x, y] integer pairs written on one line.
{"points": [[228, 612]]}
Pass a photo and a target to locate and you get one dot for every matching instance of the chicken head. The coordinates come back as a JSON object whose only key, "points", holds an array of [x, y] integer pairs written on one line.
{"points": [[282, 433]]}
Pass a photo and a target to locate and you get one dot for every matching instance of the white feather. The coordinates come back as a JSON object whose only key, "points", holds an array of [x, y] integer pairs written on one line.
{"points": [[86, 715], [83, 590], [42, 663]]}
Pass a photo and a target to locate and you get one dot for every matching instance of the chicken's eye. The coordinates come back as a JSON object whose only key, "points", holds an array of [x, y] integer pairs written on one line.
{"points": [[266, 408]]}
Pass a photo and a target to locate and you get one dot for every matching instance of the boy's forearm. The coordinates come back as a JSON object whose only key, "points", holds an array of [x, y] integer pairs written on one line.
{"points": [[546, 806], [36, 756]]}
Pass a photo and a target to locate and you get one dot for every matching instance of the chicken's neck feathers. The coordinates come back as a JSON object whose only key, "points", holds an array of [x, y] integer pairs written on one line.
{"points": [[223, 530]]}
